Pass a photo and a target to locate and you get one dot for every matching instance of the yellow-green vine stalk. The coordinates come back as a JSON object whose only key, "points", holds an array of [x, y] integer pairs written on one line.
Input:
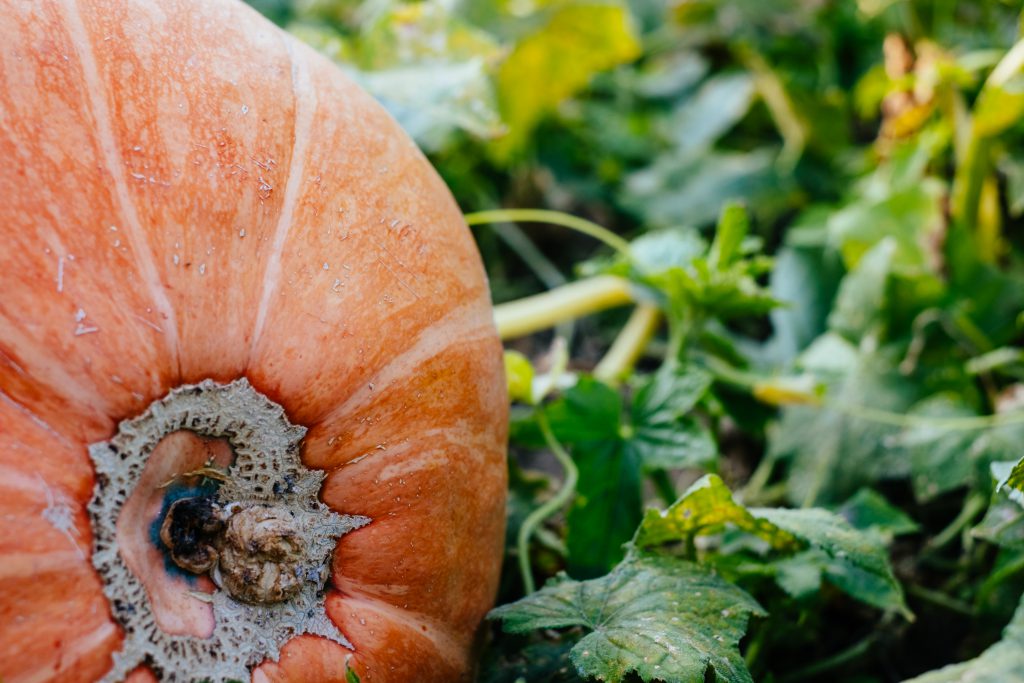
{"points": [[535, 518]]}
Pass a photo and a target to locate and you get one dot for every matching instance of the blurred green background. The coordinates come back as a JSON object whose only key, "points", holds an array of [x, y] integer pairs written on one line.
{"points": [[877, 148]]}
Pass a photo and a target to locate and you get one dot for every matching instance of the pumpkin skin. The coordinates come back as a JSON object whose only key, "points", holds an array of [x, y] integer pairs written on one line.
{"points": [[189, 193]]}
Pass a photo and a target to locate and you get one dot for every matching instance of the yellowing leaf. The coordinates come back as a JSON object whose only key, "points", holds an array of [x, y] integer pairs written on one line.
{"points": [[1001, 102], [556, 62], [705, 507]]}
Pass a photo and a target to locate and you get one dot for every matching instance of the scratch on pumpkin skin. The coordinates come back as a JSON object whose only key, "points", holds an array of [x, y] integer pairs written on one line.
{"points": [[115, 165], [60, 509], [69, 654], [61, 516], [305, 107]]}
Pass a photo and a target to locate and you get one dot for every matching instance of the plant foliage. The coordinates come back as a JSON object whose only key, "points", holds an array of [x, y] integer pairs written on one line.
{"points": [[803, 310]]}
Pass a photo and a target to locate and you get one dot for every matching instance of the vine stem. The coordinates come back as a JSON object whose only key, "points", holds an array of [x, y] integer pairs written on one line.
{"points": [[565, 220], [753, 382], [535, 518], [840, 659], [564, 303], [975, 505], [574, 300], [629, 345]]}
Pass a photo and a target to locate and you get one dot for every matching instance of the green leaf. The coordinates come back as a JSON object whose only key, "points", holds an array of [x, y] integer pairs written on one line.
{"points": [[611, 456], [607, 507], [1001, 102], [687, 190], [676, 444], [869, 511], [1013, 483], [832, 450], [863, 293], [805, 281], [662, 434], [855, 562], [705, 508], [660, 618], [912, 219], [800, 575], [557, 61], [350, 675], [715, 108], [943, 457], [733, 226], [1004, 521], [432, 102], [427, 66], [588, 411], [657, 251], [1001, 663]]}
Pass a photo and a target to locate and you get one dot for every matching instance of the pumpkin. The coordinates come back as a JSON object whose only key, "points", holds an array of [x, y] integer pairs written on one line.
{"points": [[252, 407]]}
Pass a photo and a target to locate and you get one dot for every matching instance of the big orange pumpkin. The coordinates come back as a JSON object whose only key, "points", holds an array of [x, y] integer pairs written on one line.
{"points": [[191, 199]]}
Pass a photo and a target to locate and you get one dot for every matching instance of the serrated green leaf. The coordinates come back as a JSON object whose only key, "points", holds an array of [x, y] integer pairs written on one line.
{"points": [[611, 455], [943, 457], [607, 507], [554, 63], [660, 618], [657, 251], [1001, 663], [832, 450], [661, 433], [704, 508], [940, 458], [853, 561], [588, 411]]}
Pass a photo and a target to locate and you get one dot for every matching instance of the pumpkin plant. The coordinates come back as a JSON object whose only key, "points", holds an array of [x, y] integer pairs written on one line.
{"points": [[252, 402]]}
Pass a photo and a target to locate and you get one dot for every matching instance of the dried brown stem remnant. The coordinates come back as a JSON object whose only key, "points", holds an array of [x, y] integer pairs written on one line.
{"points": [[253, 551]]}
